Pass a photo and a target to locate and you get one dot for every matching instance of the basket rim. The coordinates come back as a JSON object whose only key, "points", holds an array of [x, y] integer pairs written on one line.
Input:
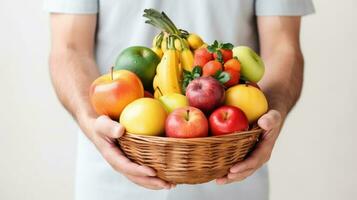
{"points": [[255, 130]]}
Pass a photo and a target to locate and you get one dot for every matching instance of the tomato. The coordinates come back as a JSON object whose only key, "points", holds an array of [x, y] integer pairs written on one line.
{"points": [[211, 68], [232, 64], [202, 56], [226, 54], [234, 77]]}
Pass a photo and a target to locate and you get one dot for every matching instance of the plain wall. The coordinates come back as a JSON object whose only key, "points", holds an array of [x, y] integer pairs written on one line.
{"points": [[314, 158]]}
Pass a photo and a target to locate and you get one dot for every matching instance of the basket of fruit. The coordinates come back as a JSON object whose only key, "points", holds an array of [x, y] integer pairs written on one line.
{"points": [[189, 161], [201, 118]]}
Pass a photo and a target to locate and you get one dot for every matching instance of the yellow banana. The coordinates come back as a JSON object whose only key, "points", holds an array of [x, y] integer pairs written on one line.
{"points": [[186, 56], [178, 45], [194, 41], [170, 82], [158, 51], [168, 75], [155, 82], [164, 43], [180, 71], [156, 44], [204, 45], [157, 39]]}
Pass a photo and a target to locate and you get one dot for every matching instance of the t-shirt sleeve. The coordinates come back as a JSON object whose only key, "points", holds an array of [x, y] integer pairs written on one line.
{"points": [[71, 6], [284, 7]]}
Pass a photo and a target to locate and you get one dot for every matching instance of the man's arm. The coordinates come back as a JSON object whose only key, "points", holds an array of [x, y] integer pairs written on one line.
{"points": [[73, 68], [282, 82], [280, 50], [72, 64]]}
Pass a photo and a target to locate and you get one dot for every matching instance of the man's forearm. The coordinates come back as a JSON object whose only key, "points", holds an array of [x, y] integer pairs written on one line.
{"points": [[282, 82], [72, 73]]}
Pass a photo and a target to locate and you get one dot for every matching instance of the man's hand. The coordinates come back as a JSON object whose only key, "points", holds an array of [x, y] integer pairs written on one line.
{"points": [[105, 136], [73, 68], [271, 123], [282, 82]]}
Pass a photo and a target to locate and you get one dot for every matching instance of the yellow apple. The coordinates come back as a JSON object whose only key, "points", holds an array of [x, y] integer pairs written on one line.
{"points": [[144, 116], [173, 101], [249, 99]]}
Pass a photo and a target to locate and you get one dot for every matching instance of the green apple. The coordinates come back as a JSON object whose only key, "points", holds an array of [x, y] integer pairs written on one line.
{"points": [[252, 66], [173, 101], [140, 60]]}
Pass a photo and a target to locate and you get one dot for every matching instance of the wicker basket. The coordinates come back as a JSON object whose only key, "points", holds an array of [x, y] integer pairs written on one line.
{"points": [[189, 161]]}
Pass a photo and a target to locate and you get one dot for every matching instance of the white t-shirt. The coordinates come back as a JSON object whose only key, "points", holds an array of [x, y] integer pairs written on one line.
{"points": [[120, 25]]}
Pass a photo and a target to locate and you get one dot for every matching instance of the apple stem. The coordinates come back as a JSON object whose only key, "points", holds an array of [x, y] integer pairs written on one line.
{"points": [[187, 115], [111, 72], [159, 91], [225, 116]]}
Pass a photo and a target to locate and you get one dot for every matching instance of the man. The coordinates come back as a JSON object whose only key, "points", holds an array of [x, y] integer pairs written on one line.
{"points": [[87, 35]]}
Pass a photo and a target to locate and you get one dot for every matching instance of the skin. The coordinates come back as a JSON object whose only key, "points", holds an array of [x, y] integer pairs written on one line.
{"points": [[73, 68], [282, 83]]}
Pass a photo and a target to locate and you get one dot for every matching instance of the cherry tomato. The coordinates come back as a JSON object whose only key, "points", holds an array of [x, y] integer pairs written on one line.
{"points": [[234, 74], [226, 55], [232, 64], [211, 68]]}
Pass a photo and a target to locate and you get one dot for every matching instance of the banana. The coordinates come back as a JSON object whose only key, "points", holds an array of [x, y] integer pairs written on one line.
{"points": [[157, 39], [164, 43], [156, 44], [168, 76], [186, 56], [195, 41], [155, 82], [204, 45], [178, 45], [158, 51]]}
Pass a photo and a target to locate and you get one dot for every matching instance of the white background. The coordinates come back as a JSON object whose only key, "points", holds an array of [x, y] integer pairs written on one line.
{"points": [[315, 157]]}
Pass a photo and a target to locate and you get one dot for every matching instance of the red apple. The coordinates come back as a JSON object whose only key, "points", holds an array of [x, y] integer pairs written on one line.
{"points": [[205, 93], [228, 119], [186, 122], [110, 93]]}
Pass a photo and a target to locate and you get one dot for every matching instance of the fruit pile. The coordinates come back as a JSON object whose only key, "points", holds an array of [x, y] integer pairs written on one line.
{"points": [[198, 89]]}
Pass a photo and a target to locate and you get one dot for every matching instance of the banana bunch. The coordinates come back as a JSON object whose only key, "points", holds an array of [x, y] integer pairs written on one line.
{"points": [[185, 46], [185, 43], [168, 73], [175, 47]]}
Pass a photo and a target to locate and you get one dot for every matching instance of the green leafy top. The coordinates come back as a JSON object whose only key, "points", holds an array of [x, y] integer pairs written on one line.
{"points": [[189, 76], [216, 47], [222, 77]]}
